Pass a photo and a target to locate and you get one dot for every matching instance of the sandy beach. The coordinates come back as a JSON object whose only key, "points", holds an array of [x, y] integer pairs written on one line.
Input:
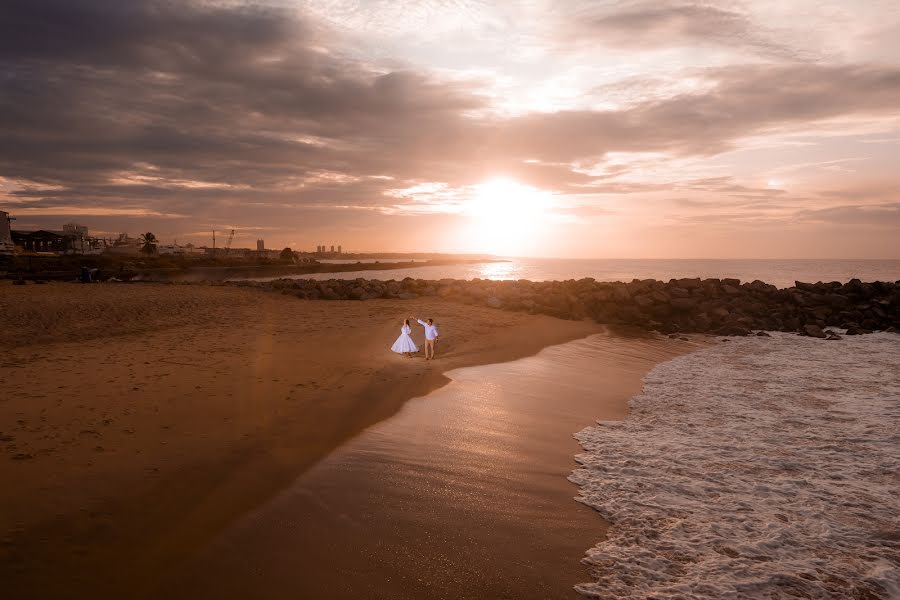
{"points": [[463, 494], [140, 420]]}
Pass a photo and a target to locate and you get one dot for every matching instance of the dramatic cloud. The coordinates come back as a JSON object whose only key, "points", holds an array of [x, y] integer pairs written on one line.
{"points": [[204, 113], [662, 24]]}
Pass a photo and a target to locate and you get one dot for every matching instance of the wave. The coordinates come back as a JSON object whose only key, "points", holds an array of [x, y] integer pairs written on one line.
{"points": [[761, 468]]}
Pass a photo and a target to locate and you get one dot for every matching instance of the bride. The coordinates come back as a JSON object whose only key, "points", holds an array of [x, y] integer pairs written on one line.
{"points": [[405, 344]]}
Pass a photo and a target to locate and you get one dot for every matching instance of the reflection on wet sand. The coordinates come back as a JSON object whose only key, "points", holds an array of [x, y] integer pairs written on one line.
{"points": [[462, 495]]}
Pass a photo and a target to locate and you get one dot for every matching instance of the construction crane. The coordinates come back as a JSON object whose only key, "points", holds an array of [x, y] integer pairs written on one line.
{"points": [[228, 243]]}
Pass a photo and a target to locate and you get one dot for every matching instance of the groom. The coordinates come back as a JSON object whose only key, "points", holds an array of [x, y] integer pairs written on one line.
{"points": [[431, 336]]}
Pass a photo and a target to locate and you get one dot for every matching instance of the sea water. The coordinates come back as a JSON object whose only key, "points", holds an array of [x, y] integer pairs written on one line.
{"points": [[781, 273], [757, 468]]}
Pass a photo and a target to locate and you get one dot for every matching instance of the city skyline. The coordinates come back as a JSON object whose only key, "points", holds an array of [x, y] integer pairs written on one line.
{"points": [[605, 129]]}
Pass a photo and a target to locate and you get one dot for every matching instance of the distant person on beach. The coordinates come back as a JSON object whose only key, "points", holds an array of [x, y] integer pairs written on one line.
{"points": [[431, 336], [405, 344]]}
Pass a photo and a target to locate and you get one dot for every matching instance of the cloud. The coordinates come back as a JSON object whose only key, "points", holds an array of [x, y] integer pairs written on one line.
{"points": [[246, 112], [643, 25], [879, 215]]}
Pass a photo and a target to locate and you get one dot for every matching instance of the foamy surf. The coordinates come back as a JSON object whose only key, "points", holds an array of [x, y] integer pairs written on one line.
{"points": [[760, 468]]}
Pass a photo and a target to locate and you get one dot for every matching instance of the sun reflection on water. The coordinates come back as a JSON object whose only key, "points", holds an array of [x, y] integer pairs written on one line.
{"points": [[498, 270]]}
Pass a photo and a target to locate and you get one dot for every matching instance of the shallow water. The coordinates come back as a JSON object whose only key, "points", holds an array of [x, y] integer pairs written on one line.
{"points": [[760, 468], [781, 273]]}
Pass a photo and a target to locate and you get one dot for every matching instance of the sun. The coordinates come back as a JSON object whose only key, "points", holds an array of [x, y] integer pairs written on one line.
{"points": [[506, 217]]}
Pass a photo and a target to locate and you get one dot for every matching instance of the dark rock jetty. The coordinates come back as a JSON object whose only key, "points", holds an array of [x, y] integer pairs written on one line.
{"points": [[716, 306]]}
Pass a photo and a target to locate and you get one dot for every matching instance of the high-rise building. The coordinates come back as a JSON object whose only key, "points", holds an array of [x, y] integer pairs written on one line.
{"points": [[332, 248], [6, 242], [260, 245], [339, 249]]}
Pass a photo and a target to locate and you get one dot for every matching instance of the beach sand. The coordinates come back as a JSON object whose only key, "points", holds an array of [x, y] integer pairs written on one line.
{"points": [[462, 495], [139, 420]]}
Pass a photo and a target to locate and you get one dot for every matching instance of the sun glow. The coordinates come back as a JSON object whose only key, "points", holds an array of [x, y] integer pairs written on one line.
{"points": [[506, 217]]}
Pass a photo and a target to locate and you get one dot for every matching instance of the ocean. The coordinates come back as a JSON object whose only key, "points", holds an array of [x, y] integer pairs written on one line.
{"points": [[757, 468], [781, 273]]}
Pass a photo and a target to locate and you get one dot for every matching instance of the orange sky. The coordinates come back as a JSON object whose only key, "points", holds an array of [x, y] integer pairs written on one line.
{"points": [[586, 128]]}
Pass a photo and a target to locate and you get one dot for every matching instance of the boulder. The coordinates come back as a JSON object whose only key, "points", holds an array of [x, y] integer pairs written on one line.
{"points": [[733, 330], [643, 301], [814, 331], [685, 304], [720, 312]]}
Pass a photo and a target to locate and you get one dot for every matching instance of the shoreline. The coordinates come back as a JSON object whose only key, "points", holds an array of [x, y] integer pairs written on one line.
{"points": [[118, 483], [464, 493]]}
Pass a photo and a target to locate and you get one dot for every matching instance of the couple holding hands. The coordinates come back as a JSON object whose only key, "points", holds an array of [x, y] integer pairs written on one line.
{"points": [[407, 347]]}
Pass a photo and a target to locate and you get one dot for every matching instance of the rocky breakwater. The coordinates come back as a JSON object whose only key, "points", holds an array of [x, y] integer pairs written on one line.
{"points": [[719, 306]]}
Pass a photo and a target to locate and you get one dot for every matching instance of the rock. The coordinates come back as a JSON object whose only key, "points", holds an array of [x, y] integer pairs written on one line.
{"points": [[643, 301], [762, 334], [733, 330], [679, 305], [689, 284], [814, 331], [684, 304], [621, 293], [858, 331], [892, 330], [833, 336], [660, 297], [19, 282]]}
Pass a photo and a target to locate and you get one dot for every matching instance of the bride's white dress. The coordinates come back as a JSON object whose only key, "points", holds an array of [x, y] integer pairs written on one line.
{"points": [[404, 343]]}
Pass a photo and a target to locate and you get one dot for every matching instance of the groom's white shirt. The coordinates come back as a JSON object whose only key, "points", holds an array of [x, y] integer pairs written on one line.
{"points": [[431, 331]]}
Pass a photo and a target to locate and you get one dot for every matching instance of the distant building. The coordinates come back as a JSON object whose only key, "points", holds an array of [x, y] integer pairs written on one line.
{"points": [[76, 229], [125, 244], [43, 240], [260, 245], [6, 241], [176, 250], [339, 249], [332, 248]]}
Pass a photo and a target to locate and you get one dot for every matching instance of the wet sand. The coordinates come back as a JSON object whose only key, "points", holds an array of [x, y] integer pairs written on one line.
{"points": [[463, 494], [137, 422]]}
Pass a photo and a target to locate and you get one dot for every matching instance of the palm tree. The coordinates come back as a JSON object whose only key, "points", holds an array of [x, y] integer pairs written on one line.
{"points": [[148, 243]]}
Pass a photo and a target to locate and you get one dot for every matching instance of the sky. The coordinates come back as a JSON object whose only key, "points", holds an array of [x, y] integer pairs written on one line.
{"points": [[584, 128]]}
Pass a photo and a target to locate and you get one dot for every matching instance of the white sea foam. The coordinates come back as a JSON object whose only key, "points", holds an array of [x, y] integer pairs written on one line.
{"points": [[760, 468]]}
